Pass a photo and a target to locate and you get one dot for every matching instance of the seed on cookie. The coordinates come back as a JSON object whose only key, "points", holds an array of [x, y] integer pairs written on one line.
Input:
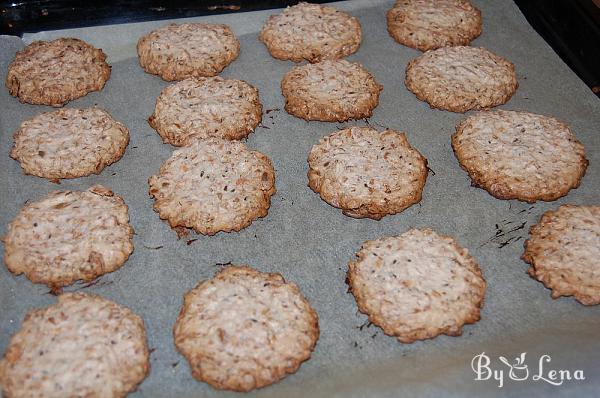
{"points": [[330, 91], [56, 72], [367, 173], [69, 143], [519, 155], [461, 78], [563, 252], [199, 108], [417, 285], [69, 236], [176, 52], [245, 329], [430, 24], [311, 32], [82, 346], [213, 185]]}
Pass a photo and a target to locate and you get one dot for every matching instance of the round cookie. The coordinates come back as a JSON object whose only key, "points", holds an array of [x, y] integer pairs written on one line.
{"points": [[69, 236], [417, 285], [460, 78], [56, 72], [519, 155], [330, 91], [311, 32], [563, 251], [69, 143], [206, 107], [367, 173], [430, 24], [213, 185], [176, 52], [245, 329], [82, 346]]}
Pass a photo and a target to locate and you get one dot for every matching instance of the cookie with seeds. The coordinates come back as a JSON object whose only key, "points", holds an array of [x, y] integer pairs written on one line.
{"points": [[417, 285], [245, 329], [176, 52], [563, 252], [69, 236], [367, 173], [460, 78], [430, 24], [199, 108], [69, 143], [311, 32], [330, 91], [519, 155], [213, 185], [82, 346], [56, 72]]}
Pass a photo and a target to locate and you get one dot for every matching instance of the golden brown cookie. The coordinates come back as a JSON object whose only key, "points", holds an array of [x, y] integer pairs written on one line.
{"points": [[330, 91], [176, 52], [69, 143], [56, 72], [430, 24], [311, 32], [69, 236], [367, 173], [82, 346], [564, 252], [461, 78], [213, 185], [245, 329], [417, 285], [199, 108], [519, 155]]}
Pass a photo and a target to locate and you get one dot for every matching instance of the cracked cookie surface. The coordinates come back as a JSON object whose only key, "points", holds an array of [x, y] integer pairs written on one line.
{"points": [[311, 32], [69, 236], [69, 143], [213, 185], [176, 52], [82, 346], [563, 251], [417, 285], [200, 108], [460, 78], [519, 155], [330, 91], [245, 329], [367, 173], [56, 72]]}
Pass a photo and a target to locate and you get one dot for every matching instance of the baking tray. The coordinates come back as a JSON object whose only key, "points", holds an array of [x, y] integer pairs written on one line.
{"points": [[310, 242]]}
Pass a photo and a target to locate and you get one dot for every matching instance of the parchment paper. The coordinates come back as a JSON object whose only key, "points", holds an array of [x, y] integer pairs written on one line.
{"points": [[310, 242]]}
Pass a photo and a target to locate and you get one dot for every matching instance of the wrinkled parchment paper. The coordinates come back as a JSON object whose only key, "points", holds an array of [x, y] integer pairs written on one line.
{"points": [[310, 242]]}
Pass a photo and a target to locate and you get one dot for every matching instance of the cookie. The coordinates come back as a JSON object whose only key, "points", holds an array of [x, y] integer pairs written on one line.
{"points": [[69, 236], [417, 285], [56, 72], [176, 52], [245, 329], [82, 346], [330, 91], [311, 32], [563, 251], [69, 143], [367, 173], [460, 78], [430, 24], [519, 155], [213, 185], [206, 107]]}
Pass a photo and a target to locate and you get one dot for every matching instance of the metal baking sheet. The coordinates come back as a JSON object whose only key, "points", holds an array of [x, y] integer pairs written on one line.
{"points": [[310, 242]]}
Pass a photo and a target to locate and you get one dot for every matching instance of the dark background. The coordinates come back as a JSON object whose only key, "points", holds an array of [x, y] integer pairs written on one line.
{"points": [[571, 27]]}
